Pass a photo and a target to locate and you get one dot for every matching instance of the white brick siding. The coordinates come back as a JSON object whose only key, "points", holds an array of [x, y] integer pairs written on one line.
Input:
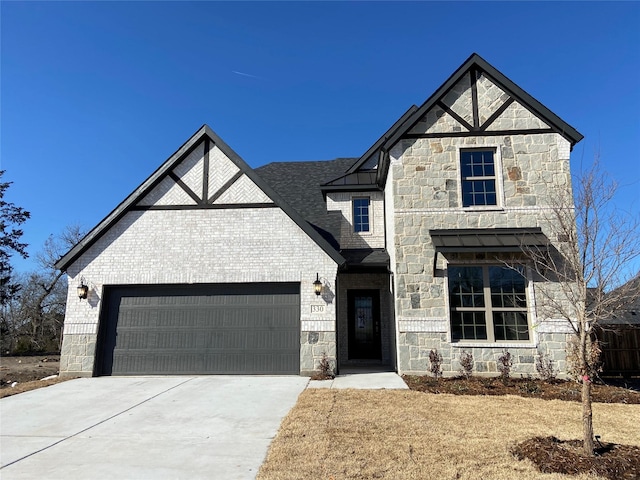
{"points": [[348, 238], [232, 245]]}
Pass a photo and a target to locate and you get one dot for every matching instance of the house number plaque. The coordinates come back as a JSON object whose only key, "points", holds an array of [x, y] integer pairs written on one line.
{"points": [[317, 308]]}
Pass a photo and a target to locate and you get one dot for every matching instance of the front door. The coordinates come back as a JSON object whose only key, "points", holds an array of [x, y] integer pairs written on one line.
{"points": [[364, 324]]}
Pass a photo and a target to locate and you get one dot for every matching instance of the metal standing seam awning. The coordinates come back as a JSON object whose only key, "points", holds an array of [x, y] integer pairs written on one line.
{"points": [[474, 240]]}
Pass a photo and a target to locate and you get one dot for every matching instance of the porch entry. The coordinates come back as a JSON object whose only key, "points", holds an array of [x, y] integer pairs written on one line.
{"points": [[364, 324]]}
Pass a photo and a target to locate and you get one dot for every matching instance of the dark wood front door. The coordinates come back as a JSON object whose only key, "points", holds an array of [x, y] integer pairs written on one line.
{"points": [[364, 324]]}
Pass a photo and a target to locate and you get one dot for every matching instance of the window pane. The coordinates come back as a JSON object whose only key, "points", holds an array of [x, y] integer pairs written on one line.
{"points": [[477, 164], [508, 287], [361, 214], [468, 326], [506, 315], [465, 164], [465, 287], [478, 192], [510, 326], [487, 162]]}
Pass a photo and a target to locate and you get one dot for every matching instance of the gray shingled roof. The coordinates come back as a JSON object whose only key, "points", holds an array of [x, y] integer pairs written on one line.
{"points": [[630, 313], [298, 183]]}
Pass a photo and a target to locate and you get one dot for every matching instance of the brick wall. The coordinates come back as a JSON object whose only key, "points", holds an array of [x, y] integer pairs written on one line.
{"points": [[200, 246], [341, 202]]}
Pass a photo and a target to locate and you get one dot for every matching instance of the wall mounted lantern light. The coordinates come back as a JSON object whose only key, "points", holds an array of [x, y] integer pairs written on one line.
{"points": [[83, 290], [317, 285]]}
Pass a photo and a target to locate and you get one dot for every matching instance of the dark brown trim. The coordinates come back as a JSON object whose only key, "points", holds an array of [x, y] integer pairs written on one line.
{"points": [[383, 168], [477, 62], [205, 168], [225, 187], [474, 97], [456, 117], [220, 206], [497, 113], [396, 126], [129, 203], [490, 133], [185, 187], [374, 187], [159, 178]]}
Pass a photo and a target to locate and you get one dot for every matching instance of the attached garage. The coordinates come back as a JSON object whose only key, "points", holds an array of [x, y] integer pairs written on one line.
{"points": [[200, 329], [202, 269]]}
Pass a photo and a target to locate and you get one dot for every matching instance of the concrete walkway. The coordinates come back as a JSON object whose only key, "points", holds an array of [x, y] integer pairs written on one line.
{"points": [[363, 380]]}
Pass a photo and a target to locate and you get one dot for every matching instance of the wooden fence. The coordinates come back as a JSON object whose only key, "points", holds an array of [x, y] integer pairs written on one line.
{"points": [[620, 350]]}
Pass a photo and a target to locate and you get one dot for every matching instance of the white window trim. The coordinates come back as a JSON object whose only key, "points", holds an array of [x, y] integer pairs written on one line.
{"points": [[497, 160], [533, 337], [353, 220]]}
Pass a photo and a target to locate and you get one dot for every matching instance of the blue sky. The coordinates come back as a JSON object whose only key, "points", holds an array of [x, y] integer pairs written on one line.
{"points": [[96, 95]]}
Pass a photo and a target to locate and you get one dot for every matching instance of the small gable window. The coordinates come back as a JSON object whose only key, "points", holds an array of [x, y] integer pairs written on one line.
{"points": [[478, 178], [361, 214]]}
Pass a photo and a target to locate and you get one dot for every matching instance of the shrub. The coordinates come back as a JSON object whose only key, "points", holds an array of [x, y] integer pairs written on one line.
{"points": [[326, 370], [529, 386], [435, 361], [544, 367], [504, 366], [466, 364]]}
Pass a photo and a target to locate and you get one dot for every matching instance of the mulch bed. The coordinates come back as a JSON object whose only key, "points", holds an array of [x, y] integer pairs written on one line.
{"points": [[550, 455], [524, 387]]}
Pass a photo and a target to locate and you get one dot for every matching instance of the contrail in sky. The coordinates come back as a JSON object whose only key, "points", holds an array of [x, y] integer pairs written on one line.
{"points": [[245, 74]]}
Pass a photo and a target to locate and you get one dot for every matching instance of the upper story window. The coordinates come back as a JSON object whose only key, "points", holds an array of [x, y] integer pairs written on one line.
{"points": [[478, 173], [487, 303], [361, 214]]}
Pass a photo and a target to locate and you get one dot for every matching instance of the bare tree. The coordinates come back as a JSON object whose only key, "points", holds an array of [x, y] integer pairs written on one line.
{"points": [[33, 321], [586, 277]]}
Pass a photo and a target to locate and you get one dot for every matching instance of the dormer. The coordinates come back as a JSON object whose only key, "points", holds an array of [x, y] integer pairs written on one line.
{"points": [[360, 202]]}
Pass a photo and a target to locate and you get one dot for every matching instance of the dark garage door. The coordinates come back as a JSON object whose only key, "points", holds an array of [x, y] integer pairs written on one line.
{"points": [[203, 329]]}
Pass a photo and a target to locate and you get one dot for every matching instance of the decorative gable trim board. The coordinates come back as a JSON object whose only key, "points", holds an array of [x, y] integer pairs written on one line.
{"points": [[214, 206], [135, 201], [474, 65], [139, 193], [374, 148], [369, 154]]}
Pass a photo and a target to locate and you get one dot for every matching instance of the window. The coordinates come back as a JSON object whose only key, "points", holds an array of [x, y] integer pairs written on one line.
{"points": [[361, 214], [478, 178], [488, 303]]}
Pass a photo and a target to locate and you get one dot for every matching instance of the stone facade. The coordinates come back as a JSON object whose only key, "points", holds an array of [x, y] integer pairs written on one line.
{"points": [[314, 346], [414, 348], [425, 179]]}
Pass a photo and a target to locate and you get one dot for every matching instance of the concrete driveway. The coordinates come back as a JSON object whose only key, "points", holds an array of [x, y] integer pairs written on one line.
{"points": [[144, 427]]}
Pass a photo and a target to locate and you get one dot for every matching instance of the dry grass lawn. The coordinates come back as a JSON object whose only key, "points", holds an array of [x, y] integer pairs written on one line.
{"points": [[396, 434]]}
